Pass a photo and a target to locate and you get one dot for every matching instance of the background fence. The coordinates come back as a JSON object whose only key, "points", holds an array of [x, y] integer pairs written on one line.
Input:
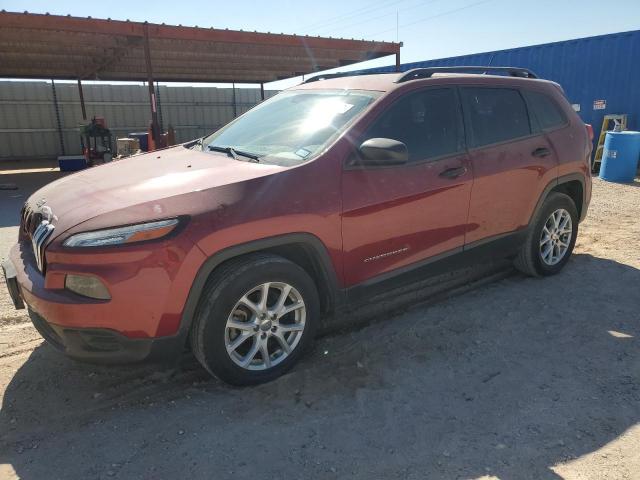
{"points": [[40, 119]]}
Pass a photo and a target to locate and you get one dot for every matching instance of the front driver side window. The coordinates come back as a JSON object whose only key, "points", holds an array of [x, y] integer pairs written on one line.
{"points": [[427, 122]]}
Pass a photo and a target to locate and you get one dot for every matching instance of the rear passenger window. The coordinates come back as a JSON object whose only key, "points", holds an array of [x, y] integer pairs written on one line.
{"points": [[545, 110], [427, 122], [495, 114]]}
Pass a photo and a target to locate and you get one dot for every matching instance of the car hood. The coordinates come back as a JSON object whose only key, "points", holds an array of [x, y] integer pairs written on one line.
{"points": [[140, 179]]}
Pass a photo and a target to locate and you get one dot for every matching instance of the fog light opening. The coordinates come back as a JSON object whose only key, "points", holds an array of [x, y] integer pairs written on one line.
{"points": [[87, 286]]}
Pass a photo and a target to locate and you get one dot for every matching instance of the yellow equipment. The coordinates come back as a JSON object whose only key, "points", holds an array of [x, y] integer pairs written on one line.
{"points": [[619, 124]]}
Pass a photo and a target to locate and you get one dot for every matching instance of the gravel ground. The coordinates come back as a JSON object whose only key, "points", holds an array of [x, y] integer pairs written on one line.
{"points": [[508, 378]]}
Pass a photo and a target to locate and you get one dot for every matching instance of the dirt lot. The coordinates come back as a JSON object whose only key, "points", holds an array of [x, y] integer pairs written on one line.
{"points": [[517, 378]]}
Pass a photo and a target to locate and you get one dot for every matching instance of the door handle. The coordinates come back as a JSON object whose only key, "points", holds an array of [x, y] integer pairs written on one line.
{"points": [[541, 152], [453, 172]]}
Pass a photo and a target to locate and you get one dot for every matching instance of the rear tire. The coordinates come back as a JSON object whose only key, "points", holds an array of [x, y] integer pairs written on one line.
{"points": [[551, 237], [256, 317]]}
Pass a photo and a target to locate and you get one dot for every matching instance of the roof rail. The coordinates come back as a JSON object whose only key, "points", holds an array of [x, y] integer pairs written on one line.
{"points": [[428, 72], [327, 76]]}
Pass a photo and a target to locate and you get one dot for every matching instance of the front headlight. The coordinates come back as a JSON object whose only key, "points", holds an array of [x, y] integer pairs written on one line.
{"points": [[123, 235]]}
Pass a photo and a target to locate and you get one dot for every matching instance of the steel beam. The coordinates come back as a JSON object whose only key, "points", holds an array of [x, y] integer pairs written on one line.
{"points": [[126, 77], [155, 127], [57, 113], [84, 110], [235, 105]]}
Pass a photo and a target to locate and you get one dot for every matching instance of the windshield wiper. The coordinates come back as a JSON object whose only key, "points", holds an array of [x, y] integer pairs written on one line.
{"points": [[232, 152], [198, 142]]}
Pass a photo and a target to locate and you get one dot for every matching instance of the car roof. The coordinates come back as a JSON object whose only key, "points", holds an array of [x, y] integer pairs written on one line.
{"points": [[387, 82], [383, 82]]}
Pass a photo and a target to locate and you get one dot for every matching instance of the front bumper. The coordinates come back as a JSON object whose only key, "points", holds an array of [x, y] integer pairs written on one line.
{"points": [[148, 286], [136, 325], [106, 346], [99, 345]]}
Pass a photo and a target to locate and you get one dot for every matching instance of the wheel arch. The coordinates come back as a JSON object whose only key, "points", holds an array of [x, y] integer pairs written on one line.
{"points": [[571, 185], [575, 190], [304, 249]]}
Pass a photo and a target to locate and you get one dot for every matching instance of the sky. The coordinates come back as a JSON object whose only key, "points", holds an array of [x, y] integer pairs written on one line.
{"points": [[428, 28]]}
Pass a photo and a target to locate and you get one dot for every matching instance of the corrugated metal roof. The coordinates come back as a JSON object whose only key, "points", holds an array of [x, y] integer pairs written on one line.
{"points": [[604, 67], [65, 47]]}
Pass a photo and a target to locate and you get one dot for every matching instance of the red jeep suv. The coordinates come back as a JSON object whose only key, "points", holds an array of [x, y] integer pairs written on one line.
{"points": [[240, 243]]}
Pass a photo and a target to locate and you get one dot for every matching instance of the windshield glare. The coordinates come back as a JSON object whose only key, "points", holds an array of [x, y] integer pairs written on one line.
{"points": [[293, 126]]}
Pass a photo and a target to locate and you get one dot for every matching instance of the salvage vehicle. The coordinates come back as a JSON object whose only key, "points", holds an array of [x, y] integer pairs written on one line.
{"points": [[238, 244]]}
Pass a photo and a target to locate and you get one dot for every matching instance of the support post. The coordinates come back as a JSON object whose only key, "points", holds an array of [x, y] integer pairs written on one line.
{"points": [[57, 112], [159, 106], [84, 110], [155, 127], [235, 105], [262, 91], [398, 62]]}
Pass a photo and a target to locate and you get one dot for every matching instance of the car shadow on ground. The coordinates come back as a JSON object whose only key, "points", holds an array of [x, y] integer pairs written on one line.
{"points": [[505, 381]]}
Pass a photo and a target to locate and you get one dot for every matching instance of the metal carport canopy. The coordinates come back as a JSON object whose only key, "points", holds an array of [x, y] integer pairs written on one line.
{"points": [[70, 48]]}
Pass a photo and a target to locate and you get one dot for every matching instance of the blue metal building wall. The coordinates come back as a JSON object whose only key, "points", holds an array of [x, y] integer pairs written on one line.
{"points": [[605, 67]]}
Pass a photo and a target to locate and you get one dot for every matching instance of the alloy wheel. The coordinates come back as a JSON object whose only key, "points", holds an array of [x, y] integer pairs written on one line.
{"points": [[556, 237], [265, 326]]}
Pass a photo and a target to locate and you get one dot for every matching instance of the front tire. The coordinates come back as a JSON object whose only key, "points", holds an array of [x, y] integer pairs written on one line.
{"points": [[551, 238], [256, 317]]}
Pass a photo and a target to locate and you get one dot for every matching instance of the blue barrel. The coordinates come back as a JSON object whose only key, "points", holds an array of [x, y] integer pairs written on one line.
{"points": [[620, 156], [143, 137]]}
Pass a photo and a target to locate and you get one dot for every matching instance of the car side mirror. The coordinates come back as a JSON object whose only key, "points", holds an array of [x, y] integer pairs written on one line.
{"points": [[377, 152]]}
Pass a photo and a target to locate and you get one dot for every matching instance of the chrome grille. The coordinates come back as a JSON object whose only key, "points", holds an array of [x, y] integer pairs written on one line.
{"points": [[34, 227], [29, 221]]}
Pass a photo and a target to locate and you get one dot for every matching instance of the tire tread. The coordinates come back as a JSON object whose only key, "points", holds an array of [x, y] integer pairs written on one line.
{"points": [[223, 277], [218, 280], [526, 260]]}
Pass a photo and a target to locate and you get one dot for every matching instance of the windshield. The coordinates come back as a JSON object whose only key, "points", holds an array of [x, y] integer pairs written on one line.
{"points": [[291, 127]]}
